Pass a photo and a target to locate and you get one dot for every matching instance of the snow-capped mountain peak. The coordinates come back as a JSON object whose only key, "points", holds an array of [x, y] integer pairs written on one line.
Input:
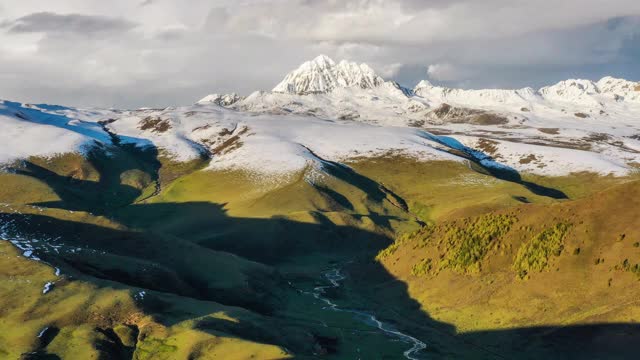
{"points": [[577, 91], [423, 84], [323, 75], [590, 92], [620, 89], [322, 61], [220, 99]]}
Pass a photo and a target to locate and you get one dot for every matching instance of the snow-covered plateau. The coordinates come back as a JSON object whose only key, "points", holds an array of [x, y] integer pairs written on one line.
{"points": [[328, 111]]}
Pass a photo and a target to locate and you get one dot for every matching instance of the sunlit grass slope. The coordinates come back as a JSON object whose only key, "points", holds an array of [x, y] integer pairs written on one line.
{"points": [[165, 260], [562, 264]]}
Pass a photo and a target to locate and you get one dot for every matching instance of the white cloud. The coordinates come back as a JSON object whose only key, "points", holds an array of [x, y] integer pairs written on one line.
{"points": [[445, 72], [388, 71], [160, 52]]}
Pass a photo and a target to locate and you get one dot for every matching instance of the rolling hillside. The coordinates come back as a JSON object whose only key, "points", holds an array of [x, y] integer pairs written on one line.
{"points": [[338, 216]]}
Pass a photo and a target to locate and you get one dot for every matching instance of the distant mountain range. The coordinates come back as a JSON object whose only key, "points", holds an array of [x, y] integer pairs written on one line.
{"points": [[347, 90], [324, 109], [322, 75]]}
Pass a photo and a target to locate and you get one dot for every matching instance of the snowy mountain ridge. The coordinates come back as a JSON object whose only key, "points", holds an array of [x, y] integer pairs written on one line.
{"points": [[327, 89], [323, 75], [342, 111], [576, 91], [221, 99]]}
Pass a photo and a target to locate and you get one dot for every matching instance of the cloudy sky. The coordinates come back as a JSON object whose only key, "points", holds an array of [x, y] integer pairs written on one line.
{"points": [[132, 53]]}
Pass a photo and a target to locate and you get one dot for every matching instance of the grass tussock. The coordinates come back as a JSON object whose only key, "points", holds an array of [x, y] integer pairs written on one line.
{"points": [[422, 268], [420, 237], [155, 348], [628, 267], [466, 242], [535, 255], [469, 244]]}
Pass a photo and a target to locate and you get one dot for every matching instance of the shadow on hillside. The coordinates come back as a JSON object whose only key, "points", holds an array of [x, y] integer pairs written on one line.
{"points": [[49, 115], [591, 341], [238, 268], [389, 297], [108, 193], [179, 272], [193, 255], [486, 164], [511, 175]]}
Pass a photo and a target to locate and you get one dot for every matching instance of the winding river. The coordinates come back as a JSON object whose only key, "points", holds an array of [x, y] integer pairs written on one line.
{"points": [[334, 277]]}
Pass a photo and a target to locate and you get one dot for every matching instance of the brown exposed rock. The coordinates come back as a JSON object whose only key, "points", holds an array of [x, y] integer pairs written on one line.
{"points": [[231, 143], [489, 119], [552, 131], [488, 146], [443, 110], [528, 159], [459, 115], [155, 124], [598, 137]]}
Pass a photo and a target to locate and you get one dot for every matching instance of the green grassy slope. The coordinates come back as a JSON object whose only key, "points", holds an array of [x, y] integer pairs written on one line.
{"points": [[67, 213], [160, 260], [208, 251], [552, 266]]}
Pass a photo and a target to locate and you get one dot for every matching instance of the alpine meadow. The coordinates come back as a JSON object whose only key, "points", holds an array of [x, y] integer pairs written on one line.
{"points": [[340, 215]]}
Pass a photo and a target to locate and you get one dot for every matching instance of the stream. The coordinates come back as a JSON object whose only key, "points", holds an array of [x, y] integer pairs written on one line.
{"points": [[334, 277]]}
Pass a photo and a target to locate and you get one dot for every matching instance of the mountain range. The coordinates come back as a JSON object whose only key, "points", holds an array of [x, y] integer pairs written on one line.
{"points": [[324, 76], [572, 126], [337, 216]]}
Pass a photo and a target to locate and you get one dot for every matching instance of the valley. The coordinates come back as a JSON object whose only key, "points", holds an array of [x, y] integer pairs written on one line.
{"points": [[339, 216]]}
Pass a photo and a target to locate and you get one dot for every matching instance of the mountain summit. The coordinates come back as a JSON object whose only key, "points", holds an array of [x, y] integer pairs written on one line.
{"points": [[322, 75]]}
